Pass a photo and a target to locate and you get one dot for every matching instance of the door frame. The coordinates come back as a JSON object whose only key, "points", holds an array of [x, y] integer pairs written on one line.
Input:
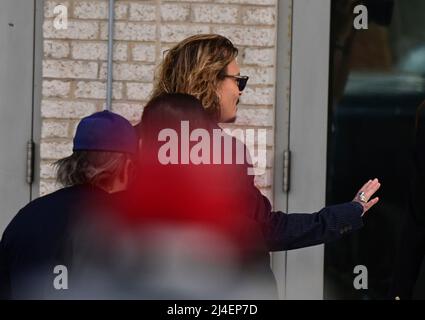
{"points": [[282, 112], [37, 94], [301, 127], [23, 56]]}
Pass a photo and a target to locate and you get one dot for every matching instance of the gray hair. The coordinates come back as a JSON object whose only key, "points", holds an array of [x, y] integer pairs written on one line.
{"points": [[98, 168]]}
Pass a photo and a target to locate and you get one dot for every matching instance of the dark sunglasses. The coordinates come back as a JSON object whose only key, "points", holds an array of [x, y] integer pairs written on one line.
{"points": [[240, 81]]}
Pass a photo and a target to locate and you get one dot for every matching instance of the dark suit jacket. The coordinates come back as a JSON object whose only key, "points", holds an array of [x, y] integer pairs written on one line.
{"points": [[282, 231], [214, 194]]}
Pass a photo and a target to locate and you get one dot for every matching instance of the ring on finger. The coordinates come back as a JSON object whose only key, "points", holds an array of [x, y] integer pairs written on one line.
{"points": [[362, 197]]}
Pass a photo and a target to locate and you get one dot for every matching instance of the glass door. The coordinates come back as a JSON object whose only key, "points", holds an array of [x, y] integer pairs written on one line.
{"points": [[377, 83]]}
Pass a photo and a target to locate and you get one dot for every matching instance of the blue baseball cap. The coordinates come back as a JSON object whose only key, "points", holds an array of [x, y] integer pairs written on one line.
{"points": [[105, 131]]}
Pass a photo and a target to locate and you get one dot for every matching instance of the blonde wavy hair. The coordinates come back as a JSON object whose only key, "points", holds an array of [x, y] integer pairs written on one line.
{"points": [[195, 66]]}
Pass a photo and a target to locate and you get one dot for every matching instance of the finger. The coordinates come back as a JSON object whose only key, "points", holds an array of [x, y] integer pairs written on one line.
{"points": [[367, 183], [369, 188], [371, 203], [372, 188], [363, 189], [372, 182], [365, 186]]}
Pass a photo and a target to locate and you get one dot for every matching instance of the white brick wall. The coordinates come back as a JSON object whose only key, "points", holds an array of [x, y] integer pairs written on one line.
{"points": [[56, 49], [131, 111], [175, 12], [55, 149], [66, 109], [259, 56], [77, 29], [70, 69], [254, 15], [98, 10], [74, 64], [49, 6], [55, 129], [56, 88], [130, 31], [139, 91], [247, 36], [205, 13], [129, 71], [97, 90], [142, 12], [83, 50], [47, 170], [178, 32], [144, 52]]}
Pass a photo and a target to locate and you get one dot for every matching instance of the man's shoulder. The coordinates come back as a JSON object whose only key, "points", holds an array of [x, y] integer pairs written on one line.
{"points": [[32, 210], [52, 206], [71, 194], [55, 198]]}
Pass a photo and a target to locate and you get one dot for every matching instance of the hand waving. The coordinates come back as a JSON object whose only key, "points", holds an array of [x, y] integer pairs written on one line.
{"points": [[365, 193]]}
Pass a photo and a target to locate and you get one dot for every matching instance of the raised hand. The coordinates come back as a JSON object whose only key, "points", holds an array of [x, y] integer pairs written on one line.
{"points": [[366, 192]]}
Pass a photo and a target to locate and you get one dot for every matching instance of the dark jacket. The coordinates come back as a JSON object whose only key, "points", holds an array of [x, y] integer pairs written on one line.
{"points": [[42, 236], [222, 198], [39, 238], [225, 194], [282, 231]]}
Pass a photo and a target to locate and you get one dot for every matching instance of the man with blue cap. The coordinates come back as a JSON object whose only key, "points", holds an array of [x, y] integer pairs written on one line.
{"points": [[36, 246]]}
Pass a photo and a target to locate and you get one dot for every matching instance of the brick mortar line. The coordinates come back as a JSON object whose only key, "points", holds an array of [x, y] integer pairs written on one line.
{"points": [[167, 22]]}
